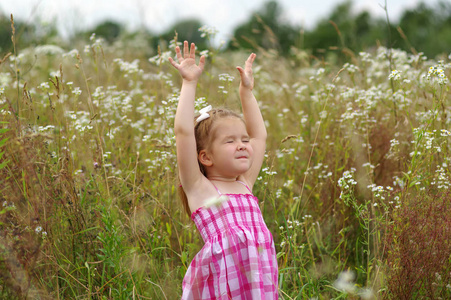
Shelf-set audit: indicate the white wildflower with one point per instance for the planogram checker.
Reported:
(394, 142)
(445, 132)
(208, 31)
(44, 86)
(226, 77)
(76, 91)
(72, 53)
(48, 50)
(204, 53)
(345, 283)
(215, 201)
(366, 293)
(289, 184)
(395, 75)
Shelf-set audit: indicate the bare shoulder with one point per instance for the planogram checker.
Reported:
(199, 193)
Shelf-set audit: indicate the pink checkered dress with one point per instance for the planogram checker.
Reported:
(238, 260)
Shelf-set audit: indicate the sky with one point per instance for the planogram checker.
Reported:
(158, 16)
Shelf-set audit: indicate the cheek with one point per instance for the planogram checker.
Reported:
(250, 150)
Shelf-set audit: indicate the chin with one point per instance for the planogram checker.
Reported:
(240, 171)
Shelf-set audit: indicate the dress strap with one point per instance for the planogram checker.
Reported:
(219, 192)
(245, 185)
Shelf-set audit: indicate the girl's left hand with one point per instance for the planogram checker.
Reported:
(247, 79)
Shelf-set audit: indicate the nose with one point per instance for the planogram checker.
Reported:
(241, 146)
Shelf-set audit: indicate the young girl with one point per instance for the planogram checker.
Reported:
(221, 154)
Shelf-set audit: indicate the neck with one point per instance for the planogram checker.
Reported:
(223, 179)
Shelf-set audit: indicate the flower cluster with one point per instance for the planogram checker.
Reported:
(72, 53)
(293, 227)
(226, 77)
(208, 31)
(395, 75)
(380, 193)
(345, 283)
(200, 103)
(82, 121)
(128, 67)
(445, 132)
(437, 73)
(347, 181)
(45, 128)
(8, 206)
(159, 58)
(48, 50)
(441, 180)
(350, 67)
(321, 170)
(39, 230)
(268, 172)
(398, 182)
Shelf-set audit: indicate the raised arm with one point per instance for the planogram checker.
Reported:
(255, 124)
(189, 171)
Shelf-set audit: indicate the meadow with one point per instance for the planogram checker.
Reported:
(354, 187)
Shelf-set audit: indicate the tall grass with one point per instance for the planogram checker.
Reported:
(354, 186)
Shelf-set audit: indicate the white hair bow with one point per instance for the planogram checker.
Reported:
(204, 114)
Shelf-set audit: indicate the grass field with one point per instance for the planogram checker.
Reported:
(354, 188)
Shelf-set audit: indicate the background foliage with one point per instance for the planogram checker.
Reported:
(424, 28)
(354, 188)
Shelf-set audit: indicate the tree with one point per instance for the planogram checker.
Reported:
(25, 34)
(266, 29)
(109, 30)
(186, 30)
(427, 29)
(5, 35)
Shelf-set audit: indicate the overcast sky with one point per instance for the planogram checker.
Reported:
(224, 15)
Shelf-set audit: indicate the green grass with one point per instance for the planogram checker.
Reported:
(88, 189)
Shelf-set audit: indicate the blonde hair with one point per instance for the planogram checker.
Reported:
(204, 136)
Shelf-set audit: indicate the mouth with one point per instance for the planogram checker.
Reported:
(242, 155)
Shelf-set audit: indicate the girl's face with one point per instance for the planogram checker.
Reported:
(230, 151)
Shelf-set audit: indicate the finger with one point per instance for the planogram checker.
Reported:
(185, 49)
(192, 52)
(202, 62)
(250, 60)
(243, 75)
(172, 61)
(177, 52)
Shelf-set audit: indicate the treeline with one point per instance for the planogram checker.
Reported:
(425, 28)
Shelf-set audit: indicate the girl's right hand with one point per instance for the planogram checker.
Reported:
(187, 63)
